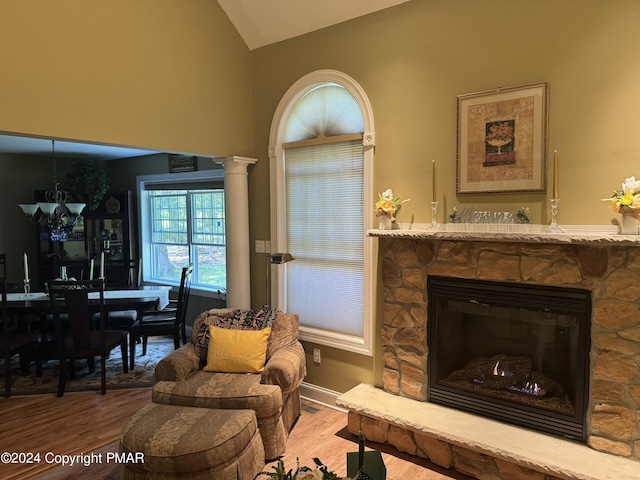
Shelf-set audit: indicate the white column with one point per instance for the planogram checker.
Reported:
(236, 201)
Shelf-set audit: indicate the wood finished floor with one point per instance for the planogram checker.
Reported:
(76, 423)
(91, 423)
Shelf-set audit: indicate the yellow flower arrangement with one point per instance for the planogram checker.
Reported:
(387, 205)
(627, 200)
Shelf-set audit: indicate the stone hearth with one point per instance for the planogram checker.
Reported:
(605, 263)
(476, 446)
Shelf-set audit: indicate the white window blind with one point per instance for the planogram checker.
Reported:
(324, 187)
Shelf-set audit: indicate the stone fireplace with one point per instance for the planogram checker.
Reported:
(606, 265)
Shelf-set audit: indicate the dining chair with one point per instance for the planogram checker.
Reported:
(11, 287)
(77, 334)
(123, 319)
(135, 273)
(15, 342)
(168, 321)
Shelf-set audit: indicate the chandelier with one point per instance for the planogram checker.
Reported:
(60, 215)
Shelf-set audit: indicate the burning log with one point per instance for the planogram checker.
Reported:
(499, 371)
(539, 385)
(505, 372)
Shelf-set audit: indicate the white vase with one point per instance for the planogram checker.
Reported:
(629, 225)
(385, 223)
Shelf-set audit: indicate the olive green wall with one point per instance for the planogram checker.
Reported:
(414, 59)
(171, 76)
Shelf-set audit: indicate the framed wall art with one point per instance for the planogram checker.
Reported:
(182, 163)
(502, 140)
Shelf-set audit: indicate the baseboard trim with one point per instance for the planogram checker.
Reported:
(320, 395)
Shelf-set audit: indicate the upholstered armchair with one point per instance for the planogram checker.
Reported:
(272, 393)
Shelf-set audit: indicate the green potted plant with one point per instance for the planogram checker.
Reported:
(86, 181)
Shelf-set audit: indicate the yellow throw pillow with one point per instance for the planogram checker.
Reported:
(236, 351)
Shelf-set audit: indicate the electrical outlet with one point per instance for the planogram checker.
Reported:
(259, 246)
(316, 356)
(267, 246)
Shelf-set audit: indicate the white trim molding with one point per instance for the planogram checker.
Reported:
(368, 140)
(320, 395)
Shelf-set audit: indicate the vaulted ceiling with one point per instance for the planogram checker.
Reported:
(262, 22)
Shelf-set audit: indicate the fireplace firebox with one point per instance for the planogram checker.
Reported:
(510, 351)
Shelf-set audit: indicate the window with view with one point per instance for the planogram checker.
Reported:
(183, 223)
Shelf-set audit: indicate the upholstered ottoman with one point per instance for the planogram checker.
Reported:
(221, 391)
(193, 443)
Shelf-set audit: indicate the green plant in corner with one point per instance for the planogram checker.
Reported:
(86, 181)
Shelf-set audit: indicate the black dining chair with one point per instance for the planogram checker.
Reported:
(11, 287)
(77, 334)
(123, 319)
(168, 321)
(3, 266)
(15, 342)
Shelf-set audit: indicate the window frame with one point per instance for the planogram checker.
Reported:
(214, 175)
(365, 344)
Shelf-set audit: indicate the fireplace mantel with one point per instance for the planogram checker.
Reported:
(573, 234)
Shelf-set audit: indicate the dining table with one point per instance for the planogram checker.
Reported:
(35, 308)
(38, 303)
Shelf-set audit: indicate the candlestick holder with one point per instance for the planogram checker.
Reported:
(27, 287)
(553, 226)
(434, 213)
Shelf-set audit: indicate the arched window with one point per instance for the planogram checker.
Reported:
(321, 155)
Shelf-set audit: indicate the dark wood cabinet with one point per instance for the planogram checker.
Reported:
(111, 228)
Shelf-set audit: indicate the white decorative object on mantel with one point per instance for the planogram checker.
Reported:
(627, 202)
(488, 227)
(629, 225)
(385, 223)
(386, 208)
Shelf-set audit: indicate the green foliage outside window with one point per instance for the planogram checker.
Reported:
(188, 226)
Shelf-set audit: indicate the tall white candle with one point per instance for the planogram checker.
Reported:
(102, 264)
(26, 267)
(92, 264)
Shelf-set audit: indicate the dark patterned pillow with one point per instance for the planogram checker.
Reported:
(232, 319)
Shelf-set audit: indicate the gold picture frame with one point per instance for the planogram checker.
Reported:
(502, 140)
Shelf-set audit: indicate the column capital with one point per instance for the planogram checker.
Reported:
(235, 164)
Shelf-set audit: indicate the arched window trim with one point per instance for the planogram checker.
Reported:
(365, 344)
